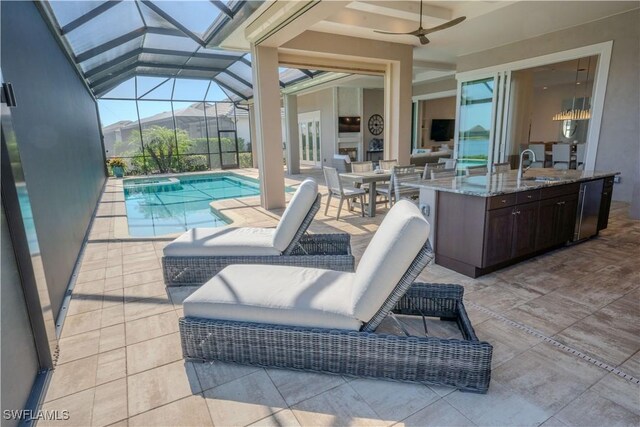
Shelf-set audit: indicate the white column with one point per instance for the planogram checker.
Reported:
(266, 90)
(291, 125)
(397, 107)
(252, 135)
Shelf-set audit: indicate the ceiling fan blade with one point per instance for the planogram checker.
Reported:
(423, 39)
(445, 25)
(412, 33)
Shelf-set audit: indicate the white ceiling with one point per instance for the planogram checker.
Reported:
(489, 23)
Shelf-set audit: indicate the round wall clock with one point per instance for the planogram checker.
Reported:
(376, 124)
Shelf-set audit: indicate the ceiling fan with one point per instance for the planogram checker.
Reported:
(421, 33)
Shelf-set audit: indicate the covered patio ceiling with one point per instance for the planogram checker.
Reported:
(113, 41)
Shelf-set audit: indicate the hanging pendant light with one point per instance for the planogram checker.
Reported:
(574, 113)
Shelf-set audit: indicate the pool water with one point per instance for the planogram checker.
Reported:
(159, 206)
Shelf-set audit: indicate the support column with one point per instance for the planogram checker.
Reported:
(266, 90)
(252, 135)
(291, 126)
(397, 108)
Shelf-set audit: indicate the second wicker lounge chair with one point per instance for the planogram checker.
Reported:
(198, 254)
(321, 320)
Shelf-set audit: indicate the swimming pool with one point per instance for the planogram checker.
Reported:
(159, 206)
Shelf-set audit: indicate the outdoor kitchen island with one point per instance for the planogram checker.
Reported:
(482, 223)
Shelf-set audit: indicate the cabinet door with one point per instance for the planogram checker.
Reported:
(548, 226)
(524, 229)
(498, 236)
(568, 221)
(605, 207)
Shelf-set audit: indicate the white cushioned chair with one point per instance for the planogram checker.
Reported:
(320, 320)
(309, 297)
(199, 253)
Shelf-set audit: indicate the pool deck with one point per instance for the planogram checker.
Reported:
(120, 361)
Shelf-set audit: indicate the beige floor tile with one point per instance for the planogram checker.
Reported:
(499, 302)
(73, 377)
(113, 298)
(620, 391)
(113, 271)
(297, 386)
(284, 418)
(591, 409)
(159, 386)
(340, 406)
(112, 337)
(501, 406)
(147, 290)
(112, 316)
(91, 275)
(153, 353)
(213, 374)
(110, 403)
(143, 277)
(80, 323)
(84, 303)
(146, 307)
(394, 401)
(112, 365)
(73, 411)
(151, 327)
(439, 413)
(553, 422)
(244, 401)
(191, 411)
(507, 341)
(601, 339)
(112, 283)
(140, 266)
(549, 314)
(548, 377)
(631, 366)
(79, 346)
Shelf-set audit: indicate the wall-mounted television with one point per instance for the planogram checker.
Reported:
(442, 129)
(348, 124)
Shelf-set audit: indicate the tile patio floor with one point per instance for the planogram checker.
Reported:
(120, 360)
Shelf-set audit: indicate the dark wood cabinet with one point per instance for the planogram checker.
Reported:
(498, 236)
(605, 204)
(524, 229)
(556, 221)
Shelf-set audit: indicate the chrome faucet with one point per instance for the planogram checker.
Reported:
(520, 170)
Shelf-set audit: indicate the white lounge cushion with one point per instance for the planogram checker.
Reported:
(278, 295)
(224, 241)
(295, 213)
(402, 234)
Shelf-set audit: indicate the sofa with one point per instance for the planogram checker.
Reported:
(420, 156)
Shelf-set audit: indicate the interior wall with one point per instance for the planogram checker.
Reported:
(322, 101)
(440, 108)
(619, 147)
(435, 86)
(58, 136)
(19, 358)
(372, 103)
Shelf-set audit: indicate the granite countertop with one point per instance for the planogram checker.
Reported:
(505, 183)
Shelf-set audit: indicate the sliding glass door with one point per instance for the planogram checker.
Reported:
(480, 128)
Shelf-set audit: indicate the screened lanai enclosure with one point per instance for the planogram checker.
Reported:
(169, 99)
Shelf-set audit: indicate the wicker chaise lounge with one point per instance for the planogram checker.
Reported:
(321, 320)
(200, 253)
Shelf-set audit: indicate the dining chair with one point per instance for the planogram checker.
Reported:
(443, 173)
(401, 175)
(335, 187)
(389, 191)
(476, 170)
(426, 174)
(448, 163)
(387, 164)
(561, 156)
(538, 150)
(361, 167)
(580, 150)
(501, 167)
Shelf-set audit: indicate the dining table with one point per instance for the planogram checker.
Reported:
(370, 178)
